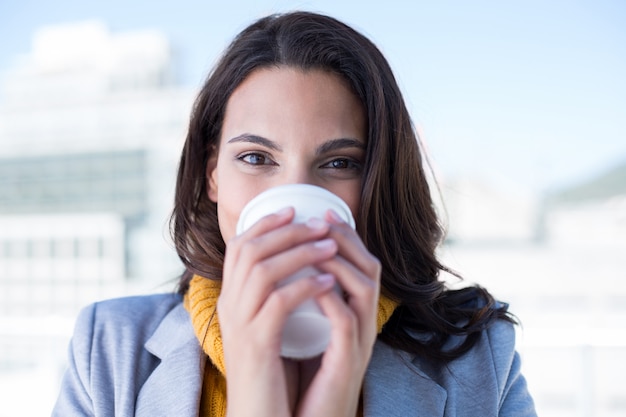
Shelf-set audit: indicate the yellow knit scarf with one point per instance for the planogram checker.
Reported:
(201, 303)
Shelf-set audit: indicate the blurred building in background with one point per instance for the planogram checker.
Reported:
(559, 261)
(91, 126)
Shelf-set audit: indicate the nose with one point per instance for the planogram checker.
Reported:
(297, 175)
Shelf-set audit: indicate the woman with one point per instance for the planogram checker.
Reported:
(300, 98)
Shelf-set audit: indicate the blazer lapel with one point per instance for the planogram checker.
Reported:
(394, 386)
(174, 387)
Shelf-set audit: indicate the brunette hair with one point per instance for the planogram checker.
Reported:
(397, 219)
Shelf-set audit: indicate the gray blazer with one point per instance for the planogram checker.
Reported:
(138, 356)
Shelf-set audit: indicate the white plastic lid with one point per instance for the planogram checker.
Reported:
(307, 200)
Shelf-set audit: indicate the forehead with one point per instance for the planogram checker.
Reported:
(288, 84)
(285, 101)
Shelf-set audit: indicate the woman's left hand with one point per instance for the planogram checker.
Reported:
(334, 388)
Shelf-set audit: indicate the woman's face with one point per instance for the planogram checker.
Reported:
(284, 126)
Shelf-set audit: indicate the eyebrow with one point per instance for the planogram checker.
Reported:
(259, 140)
(331, 145)
(341, 143)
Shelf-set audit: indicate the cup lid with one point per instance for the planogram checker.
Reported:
(307, 200)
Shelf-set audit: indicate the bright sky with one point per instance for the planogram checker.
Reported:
(526, 93)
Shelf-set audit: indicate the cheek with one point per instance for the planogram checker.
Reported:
(354, 203)
(351, 195)
(232, 194)
(228, 209)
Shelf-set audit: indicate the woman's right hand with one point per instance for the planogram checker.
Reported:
(253, 309)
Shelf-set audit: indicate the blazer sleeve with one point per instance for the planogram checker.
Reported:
(515, 399)
(75, 397)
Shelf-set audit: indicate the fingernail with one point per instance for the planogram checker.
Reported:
(325, 244)
(284, 212)
(315, 223)
(325, 278)
(335, 217)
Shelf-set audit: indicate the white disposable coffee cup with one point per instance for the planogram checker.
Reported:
(307, 331)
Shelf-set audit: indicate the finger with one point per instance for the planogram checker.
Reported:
(333, 387)
(351, 330)
(283, 238)
(266, 275)
(354, 282)
(246, 250)
(271, 221)
(345, 327)
(282, 301)
(362, 292)
(351, 246)
(264, 225)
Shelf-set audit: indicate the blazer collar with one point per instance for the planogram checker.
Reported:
(396, 386)
(175, 386)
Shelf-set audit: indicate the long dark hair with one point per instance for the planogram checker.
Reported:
(397, 220)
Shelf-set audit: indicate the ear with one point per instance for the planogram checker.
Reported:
(211, 176)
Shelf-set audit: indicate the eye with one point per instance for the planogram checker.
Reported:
(255, 158)
(342, 163)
